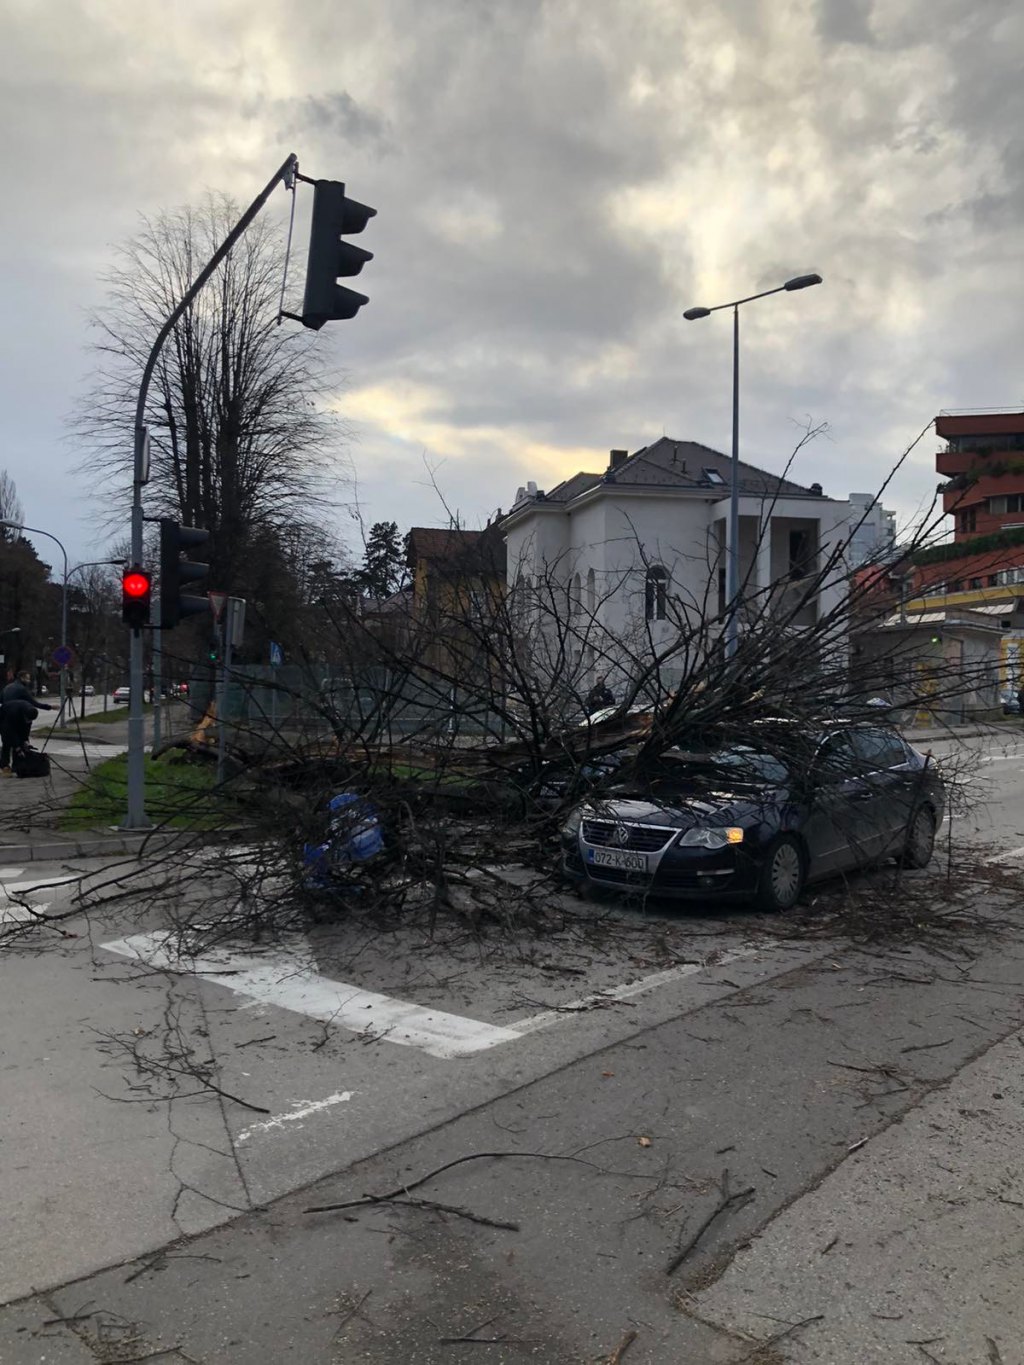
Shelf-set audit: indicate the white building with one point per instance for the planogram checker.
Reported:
(640, 547)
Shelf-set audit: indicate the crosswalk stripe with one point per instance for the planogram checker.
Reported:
(12, 890)
(291, 984)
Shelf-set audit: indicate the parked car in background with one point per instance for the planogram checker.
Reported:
(747, 824)
(1010, 704)
(88, 690)
(121, 694)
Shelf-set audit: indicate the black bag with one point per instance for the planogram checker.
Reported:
(28, 762)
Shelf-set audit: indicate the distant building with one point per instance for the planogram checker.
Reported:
(458, 585)
(982, 568)
(641, 545)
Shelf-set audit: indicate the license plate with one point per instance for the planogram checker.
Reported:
(617, 857)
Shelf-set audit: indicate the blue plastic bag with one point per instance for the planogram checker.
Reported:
(354, 835)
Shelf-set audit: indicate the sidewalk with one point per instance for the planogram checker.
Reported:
(30, 811)
(1007, 729)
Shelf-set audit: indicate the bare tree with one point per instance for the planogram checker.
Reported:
(242, 442)
(11, 509)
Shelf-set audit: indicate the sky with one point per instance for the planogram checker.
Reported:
(556, 181)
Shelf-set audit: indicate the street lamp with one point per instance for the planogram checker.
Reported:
(732, 562)
(92, 564)
(20, 526)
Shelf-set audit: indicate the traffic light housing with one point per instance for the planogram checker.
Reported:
(136, 596)
(177, 573)
(325, 300)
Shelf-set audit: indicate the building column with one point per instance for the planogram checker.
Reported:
(763, 567)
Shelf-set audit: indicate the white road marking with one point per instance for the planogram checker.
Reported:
(1009, 855)
(289, 981)
(302, 1112)
(95, 753)
(291, 984)
(12, 892)
(624, 992)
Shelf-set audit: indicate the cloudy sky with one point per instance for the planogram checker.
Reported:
(556, 181)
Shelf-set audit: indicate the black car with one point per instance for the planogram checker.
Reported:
(746, 823)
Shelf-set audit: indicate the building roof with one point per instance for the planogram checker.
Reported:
(672, 464)
(456, 550)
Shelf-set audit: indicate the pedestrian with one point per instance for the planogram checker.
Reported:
(18, 709)
(19, 690)
(16, 719)
(600, 695)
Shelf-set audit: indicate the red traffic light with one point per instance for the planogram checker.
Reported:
(135, 584)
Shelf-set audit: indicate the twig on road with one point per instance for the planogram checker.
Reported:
(924, 1047)
(627, 1341)
(391, 1196)
(351, 1313)
(726, 1202)
(400, 1201)
(779, 1336)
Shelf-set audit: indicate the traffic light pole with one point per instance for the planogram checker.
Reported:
(136, 817)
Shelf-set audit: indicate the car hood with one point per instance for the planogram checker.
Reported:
(685, 811)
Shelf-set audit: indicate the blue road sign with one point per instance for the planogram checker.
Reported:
(276, 654)
(63, 655)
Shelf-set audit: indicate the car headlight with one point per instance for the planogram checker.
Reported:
(572, 823)
(703, 837)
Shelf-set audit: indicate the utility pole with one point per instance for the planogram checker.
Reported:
(136, 817)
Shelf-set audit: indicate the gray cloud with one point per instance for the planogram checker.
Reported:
(555, 181)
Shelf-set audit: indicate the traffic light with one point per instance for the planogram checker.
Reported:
(176, 572)
(325, 300)
(136, 593)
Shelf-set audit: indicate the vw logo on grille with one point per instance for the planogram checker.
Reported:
(621, 835)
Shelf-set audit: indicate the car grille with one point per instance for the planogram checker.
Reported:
(619, 876)
(638, 838)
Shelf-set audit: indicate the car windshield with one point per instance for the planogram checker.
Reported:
(749, 765)
(738, 765)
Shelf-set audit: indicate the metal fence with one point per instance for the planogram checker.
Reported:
(374, 703)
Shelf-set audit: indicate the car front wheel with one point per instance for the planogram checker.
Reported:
(920, 839)
(782, 874)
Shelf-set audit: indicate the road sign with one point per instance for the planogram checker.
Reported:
(63, 656)
(218, 601)
(276, 654)
(235, 624)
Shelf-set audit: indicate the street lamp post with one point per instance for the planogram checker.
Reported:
(34, 530)
(732, 561)
(90, 564)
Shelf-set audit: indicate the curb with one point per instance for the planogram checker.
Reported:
(920, 736)
(92, 846)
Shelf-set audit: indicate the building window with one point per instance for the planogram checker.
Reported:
(656, 593)
(968, 519)
(591, 591)
(576, 603)
(1006, 502)
(976, 583)
(801, 554)
(993, 580)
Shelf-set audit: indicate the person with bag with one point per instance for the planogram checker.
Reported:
(16, 719)
(18, 709)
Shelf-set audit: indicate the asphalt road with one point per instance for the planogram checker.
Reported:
(834, 1128)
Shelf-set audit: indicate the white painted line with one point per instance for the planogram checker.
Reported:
(1009, 855)
(32, 883)
(295, 1115)
(12, 913)
(625, 992)
(290, 984)
(18, 914)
